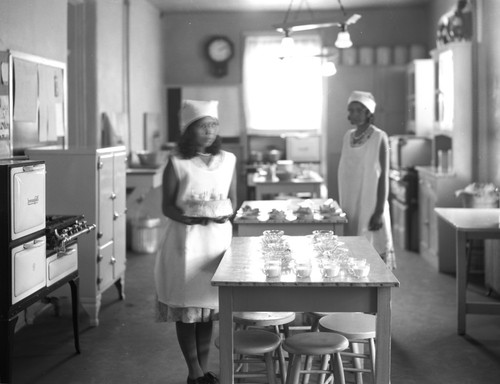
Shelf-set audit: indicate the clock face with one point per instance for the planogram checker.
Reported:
(220, 49)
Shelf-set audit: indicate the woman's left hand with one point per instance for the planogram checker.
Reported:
(376, 222)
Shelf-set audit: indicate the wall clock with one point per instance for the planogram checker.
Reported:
(219, 50)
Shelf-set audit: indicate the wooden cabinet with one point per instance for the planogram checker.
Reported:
(91, 182)
(419, 97)
(453, 115)
(437, 240)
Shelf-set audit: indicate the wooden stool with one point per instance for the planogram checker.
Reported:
(252, 343)
(277, 320)
(358, 328)
(312, 344)
(315, 316)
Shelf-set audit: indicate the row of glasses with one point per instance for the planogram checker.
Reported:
(331, 256)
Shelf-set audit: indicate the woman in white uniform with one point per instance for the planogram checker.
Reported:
(363, 177)
(193, 246)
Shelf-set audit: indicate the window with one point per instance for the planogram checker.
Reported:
(282, 94)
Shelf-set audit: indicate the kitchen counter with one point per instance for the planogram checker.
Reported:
(263, 186)
(141, 180)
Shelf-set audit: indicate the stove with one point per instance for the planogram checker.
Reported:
(63, 230)
(404, 207)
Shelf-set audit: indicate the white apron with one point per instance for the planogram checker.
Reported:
(191, 253)
(359, 172)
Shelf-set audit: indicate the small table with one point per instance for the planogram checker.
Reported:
(293, 186)
(470, 223)
(254, 226)
(243, 287)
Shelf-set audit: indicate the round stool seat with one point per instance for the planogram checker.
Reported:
(312, 343)
(350, 324)
(254, 342)
(263, 319)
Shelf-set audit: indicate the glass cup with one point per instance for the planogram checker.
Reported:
(303, 268)
(272, 268)
(330, 269)
(360, 271)
(273, 234)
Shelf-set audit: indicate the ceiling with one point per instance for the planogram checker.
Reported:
(272, 5)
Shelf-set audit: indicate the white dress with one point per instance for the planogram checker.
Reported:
(358, 175)
(191, 253)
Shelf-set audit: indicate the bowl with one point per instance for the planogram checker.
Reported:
(148, 159)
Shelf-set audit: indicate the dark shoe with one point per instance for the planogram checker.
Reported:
(211, 378)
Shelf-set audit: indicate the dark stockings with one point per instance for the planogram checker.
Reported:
(194, 340)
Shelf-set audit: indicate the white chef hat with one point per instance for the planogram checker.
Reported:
(365, 98)
(192, 110)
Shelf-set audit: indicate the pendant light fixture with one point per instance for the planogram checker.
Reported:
(343, 38)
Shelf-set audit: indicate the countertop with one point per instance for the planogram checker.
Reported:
(241, 265)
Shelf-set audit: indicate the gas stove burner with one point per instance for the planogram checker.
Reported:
(60, 230)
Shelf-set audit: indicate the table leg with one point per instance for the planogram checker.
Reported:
(7, 328)
(226, 335)
(383, 358)
(461, 281)
(75, 305)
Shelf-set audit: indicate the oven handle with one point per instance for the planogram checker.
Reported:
(35, 244)
(66, 252)
(31, 168)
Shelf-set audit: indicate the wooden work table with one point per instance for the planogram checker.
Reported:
(244, 287)
(469, 224)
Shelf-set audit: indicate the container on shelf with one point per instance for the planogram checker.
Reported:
(400, 55)
(383, 55)
(366, 55)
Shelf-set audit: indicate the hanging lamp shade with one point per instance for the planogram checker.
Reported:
(343, 40)
(287, 46)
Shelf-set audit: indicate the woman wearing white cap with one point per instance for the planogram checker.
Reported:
(363, 177)
(198, 172)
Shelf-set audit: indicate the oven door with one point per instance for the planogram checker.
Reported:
(61, 264)
(27, 200)
(28, 268)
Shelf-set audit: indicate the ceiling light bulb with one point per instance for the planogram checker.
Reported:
(343, 40)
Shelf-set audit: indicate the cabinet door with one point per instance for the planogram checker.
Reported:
(105, 204)
(105, 266)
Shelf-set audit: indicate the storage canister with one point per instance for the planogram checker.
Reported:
(145, 234)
